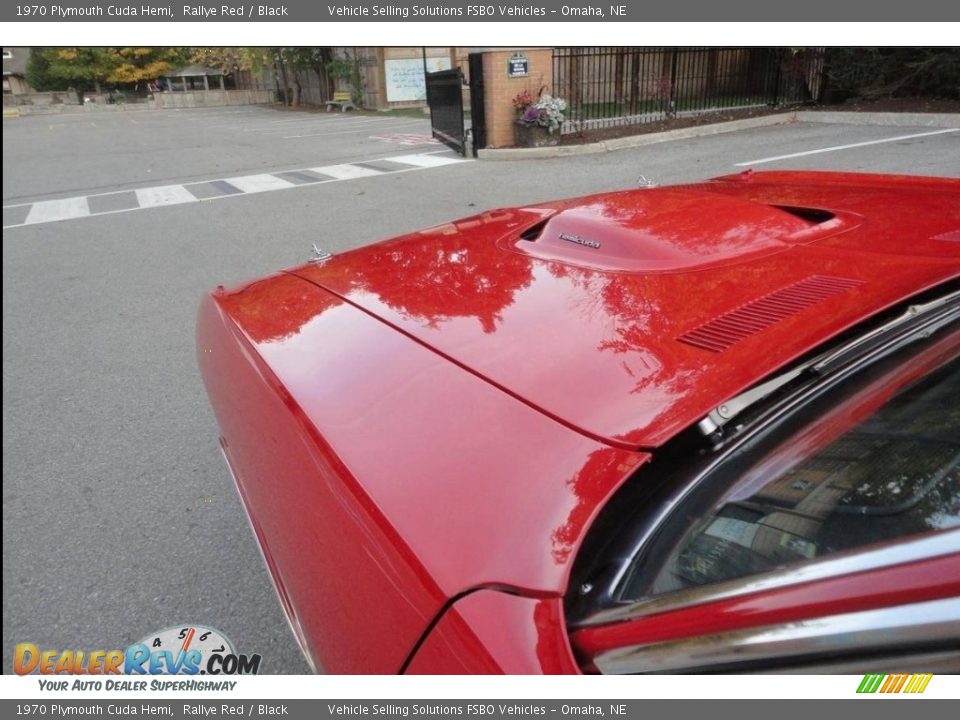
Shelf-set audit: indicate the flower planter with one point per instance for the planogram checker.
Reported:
(534, 136)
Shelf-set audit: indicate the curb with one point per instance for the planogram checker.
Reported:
(93, 108)
(880, 118)
(833, 117)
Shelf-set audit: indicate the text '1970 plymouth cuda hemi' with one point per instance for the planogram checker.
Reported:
(703, 428)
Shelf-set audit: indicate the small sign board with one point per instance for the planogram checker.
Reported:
(404, 77)
(518, 65)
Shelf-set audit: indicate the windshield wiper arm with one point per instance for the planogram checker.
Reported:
(949, 304)
(912, 312)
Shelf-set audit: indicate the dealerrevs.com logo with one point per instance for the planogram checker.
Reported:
(180, 650)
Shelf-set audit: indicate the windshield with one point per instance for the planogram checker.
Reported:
(881, 464)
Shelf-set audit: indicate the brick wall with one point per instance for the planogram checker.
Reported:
(499, 90)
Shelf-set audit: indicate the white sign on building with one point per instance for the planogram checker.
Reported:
(405, 77)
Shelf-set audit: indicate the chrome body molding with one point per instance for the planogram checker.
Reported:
(936, 622)
(936, 544)
(942, 662)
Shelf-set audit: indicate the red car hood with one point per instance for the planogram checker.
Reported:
(628, 316)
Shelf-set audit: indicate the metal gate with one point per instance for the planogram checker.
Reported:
(445, 98)
(478, 119)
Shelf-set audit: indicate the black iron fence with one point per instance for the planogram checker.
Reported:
(608, 87)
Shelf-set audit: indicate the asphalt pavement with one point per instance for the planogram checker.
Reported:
(119, 516)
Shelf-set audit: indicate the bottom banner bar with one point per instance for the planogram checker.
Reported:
(487, 709)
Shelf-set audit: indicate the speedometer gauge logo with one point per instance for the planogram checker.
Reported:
(189, 650)
(196, 642)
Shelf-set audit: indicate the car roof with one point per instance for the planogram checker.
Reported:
(628, 316)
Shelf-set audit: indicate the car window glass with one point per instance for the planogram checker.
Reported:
(877, 471)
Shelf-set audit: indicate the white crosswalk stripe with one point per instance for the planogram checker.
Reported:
(345, 172)
(259, 183)
(165, 195)
(153, 197)
(52, 210)
(424, 161)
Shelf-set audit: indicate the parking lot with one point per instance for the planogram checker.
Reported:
(119, 516)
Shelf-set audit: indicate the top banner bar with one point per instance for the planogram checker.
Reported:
(453, 11)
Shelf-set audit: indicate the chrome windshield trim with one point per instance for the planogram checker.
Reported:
(932, 622)
(936, 544)
(911, 312)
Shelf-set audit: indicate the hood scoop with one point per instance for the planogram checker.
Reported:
(649, 231)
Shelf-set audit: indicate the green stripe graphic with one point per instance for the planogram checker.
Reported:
(870, 683)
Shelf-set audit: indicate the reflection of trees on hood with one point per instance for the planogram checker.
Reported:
(276, 308)
(639, 324)
(633, 311)
(435, 282)
(603, 468)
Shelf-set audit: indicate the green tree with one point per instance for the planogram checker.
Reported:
(38, 72)
(84, 68)
(299, 60)
(349, 69)
(291, 65)
(318, 58)
(65, 67)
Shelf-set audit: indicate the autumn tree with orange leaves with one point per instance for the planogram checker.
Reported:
(84, 68)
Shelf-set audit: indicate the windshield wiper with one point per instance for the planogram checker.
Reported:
(926, 319)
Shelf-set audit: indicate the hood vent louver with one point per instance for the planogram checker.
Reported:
(814, 216)
(730, 328)
(533, 232)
